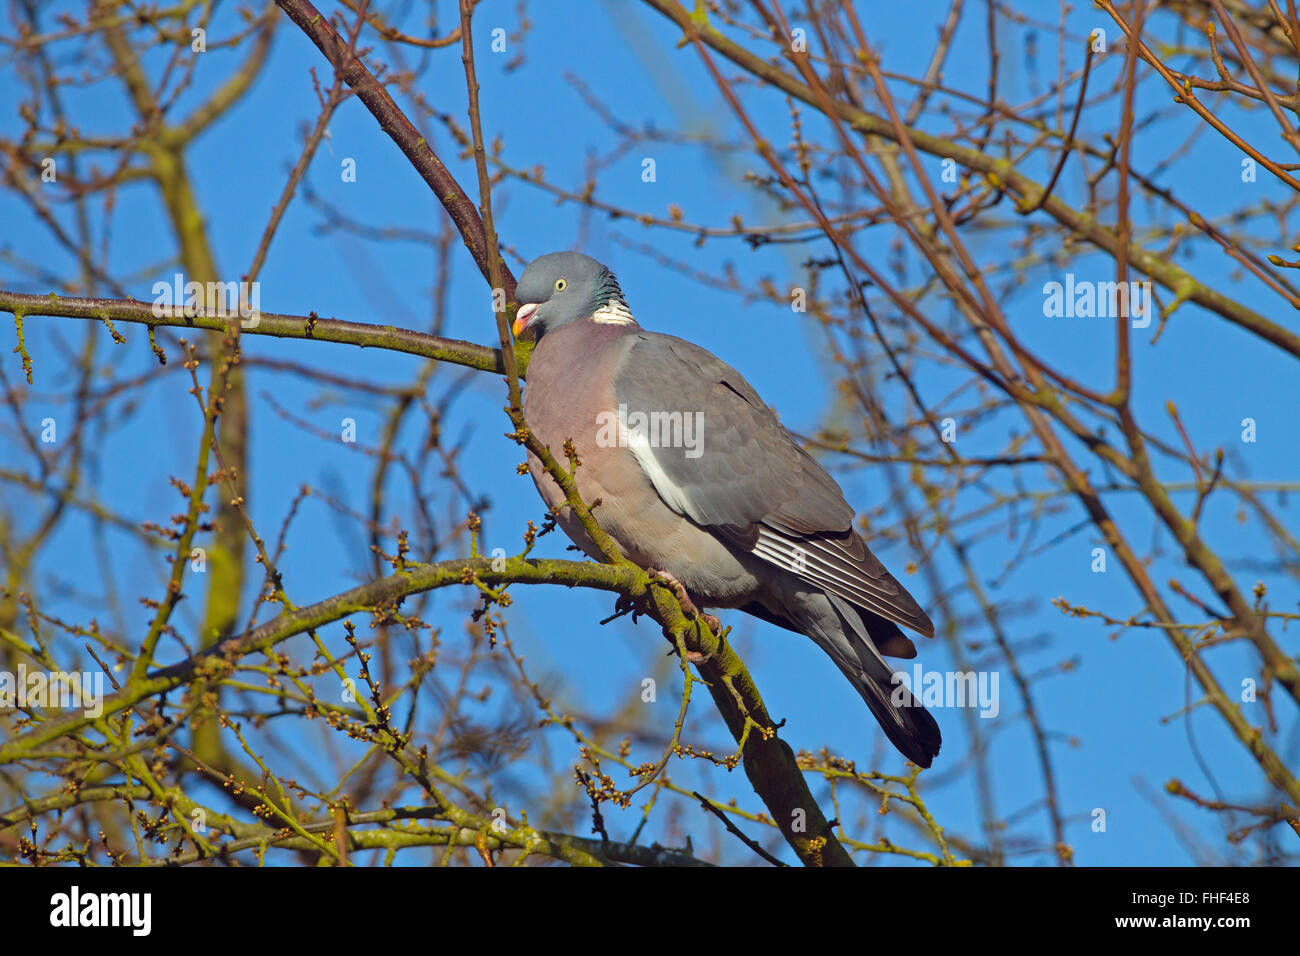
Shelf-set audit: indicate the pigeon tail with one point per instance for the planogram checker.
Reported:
(842, 632)
(900, 715)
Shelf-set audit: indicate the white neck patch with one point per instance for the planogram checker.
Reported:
(613, 312)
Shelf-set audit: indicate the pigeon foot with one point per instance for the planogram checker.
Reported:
(689, 606)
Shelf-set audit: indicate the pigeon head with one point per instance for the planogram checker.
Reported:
(561, 287)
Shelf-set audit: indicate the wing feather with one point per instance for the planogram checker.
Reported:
(744, 476)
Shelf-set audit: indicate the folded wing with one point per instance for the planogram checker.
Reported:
(743, 476)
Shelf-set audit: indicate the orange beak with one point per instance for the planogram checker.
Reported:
(523, 316)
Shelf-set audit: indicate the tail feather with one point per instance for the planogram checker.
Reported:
(840, 630)
(905, 722)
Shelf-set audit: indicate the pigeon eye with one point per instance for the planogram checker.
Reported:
(561, 284)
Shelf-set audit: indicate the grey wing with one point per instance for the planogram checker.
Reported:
(717, 454)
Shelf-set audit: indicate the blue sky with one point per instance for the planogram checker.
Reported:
(1108, 717)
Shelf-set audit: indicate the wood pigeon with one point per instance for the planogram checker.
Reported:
(698, 482)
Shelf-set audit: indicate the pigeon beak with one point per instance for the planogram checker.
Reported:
(522, 317)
